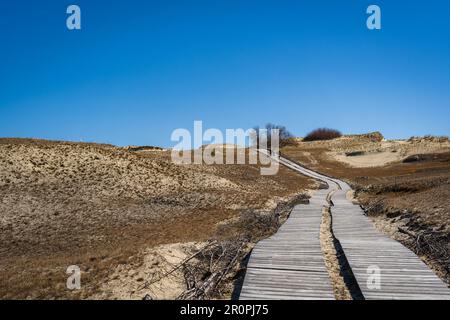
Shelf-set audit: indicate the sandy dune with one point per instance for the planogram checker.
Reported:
(97, 206)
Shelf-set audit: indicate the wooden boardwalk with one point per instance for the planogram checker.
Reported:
(402, 275)
(289, 265)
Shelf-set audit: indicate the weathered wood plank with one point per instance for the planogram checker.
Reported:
(289, 265)
(402, 274)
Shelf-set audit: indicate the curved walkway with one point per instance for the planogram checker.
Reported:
(289, 265)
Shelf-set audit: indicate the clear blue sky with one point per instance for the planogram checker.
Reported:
(139, 69)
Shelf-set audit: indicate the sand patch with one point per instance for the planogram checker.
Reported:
(331, 258)
(149, 278)
(310, 157)
(378, 154)
(367, 160)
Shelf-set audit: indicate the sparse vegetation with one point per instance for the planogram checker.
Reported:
(322, 134)
(97, 206)
(371, 136)
(285, 135)
(106, 208)
(440, 139)
(407, 197)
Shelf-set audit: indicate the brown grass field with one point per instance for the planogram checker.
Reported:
(125, 215)
(98, 206)
(409, 200)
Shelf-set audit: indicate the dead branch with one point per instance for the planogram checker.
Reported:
(178, 266)
(210, 271)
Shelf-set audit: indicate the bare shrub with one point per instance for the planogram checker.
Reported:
(204, 276)
(322, 134)
(284, 134)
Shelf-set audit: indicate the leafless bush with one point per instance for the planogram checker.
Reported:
(217, 268)
(430, 243)
(205, 274)
(254, 225)
(322, 134)
(284, 135)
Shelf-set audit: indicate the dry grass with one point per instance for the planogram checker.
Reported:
(413, 195)
(97, 206)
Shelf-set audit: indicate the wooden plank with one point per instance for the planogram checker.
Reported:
(402, 274)
(290, 265)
